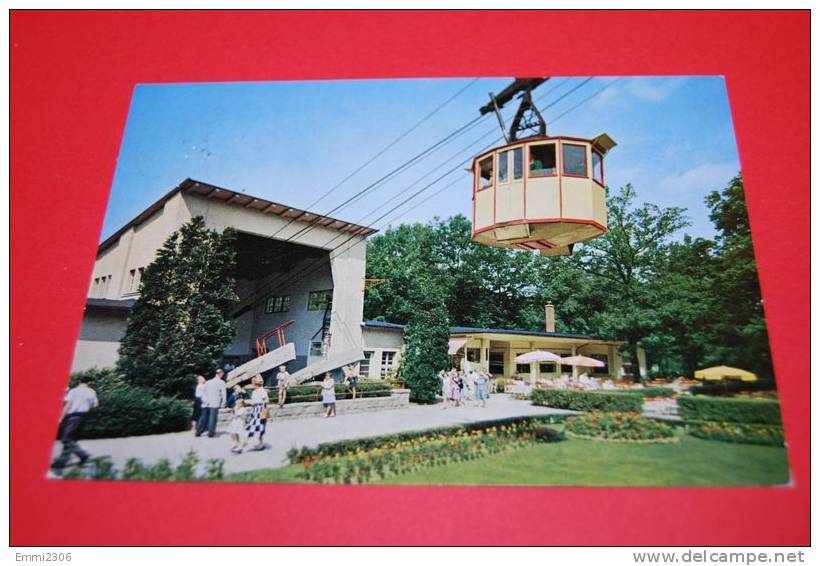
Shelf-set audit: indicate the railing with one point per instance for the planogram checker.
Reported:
(279, 332)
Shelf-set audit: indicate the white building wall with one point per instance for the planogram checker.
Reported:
(377, 341)
(137, 247)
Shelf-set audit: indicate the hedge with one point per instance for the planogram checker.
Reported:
(739, 433)
(728, 409)
(344, 447)
(135, 412)
(311, 392)
(587, 401)
(134, 470)
(730, 387)
(619, 427)
(647, 392)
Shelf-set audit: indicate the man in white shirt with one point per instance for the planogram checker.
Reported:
(78, 402)
(214, 396)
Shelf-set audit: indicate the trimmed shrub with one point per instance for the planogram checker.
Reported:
(732, 387)
(730, 410)
(547, 434)
(587, 401)
(619, 427)
(647, 392)
(313, 392)
(100, 380)
(135, 412)
(739, 433)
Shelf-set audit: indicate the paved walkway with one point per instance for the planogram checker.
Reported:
(283, 435)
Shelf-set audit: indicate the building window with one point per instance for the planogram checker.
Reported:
(320, 300)
(566, 369)
(497, 363)
(277, 304)
(135, 276)
(522, 369)
(387, 362)
(485, 172)
(503, 161)
(542, 160)
(597, 167)
(364, 365)
(547, 367)
(518, 163)
(315, 349)
(604, 370)
(575, 159)
(473, 354)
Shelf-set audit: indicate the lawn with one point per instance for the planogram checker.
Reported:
(690, 462)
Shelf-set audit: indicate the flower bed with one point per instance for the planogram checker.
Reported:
(345, 447)
(412, 454)
(134, 470)
(587, 401)
(619, 427)
(729, 410)
(739, 433)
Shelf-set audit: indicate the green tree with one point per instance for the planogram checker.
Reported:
(179, 326)
(426, 339)
(739, 334)
(626, 262)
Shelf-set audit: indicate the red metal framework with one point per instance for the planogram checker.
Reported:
(279, 332)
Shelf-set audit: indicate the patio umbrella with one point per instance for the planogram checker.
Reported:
(537, 356)
(533, 358)
(582, 361)
(719, 373)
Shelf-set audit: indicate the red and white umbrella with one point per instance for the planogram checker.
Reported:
(582, 361)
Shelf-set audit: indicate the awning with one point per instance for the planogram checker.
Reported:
(455, 345)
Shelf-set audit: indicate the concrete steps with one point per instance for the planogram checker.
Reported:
(256, 366)
(332, 362)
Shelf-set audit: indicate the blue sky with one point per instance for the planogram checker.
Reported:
(292, 141)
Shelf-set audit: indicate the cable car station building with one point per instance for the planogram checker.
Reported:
(307, 281)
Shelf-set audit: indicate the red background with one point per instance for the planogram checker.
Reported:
(72, 76)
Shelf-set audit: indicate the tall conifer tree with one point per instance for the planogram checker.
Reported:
(180, 327)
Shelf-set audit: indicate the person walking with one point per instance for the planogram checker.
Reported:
(482, 388)
(214, 396)
(200, 383)
(455, 392)
(258, 420)
(282, 382)
(329, 395)
(79, 401)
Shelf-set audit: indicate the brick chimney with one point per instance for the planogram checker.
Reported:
(549, 317)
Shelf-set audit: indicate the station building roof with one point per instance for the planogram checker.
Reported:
(244, 200)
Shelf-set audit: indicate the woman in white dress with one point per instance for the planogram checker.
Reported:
(236, 428)
(329, 395)
(259, 413)
(446, 387)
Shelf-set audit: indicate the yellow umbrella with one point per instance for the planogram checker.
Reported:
(718, 373)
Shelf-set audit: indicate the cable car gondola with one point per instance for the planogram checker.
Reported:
(538, 192)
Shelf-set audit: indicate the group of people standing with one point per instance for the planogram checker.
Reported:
(458, 387)
(249, 411)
